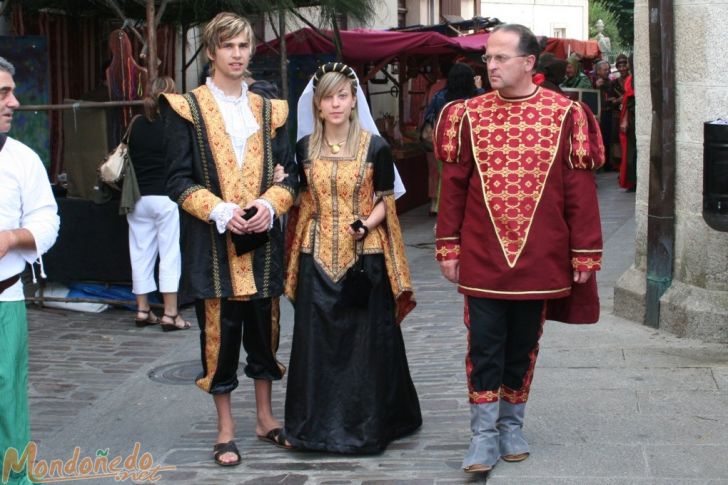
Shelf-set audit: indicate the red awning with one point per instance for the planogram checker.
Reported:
(362, 45)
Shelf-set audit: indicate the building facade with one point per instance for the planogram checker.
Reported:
(696, 302)
(552, 18)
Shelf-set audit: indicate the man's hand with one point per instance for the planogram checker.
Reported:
(279, 174)
(582, 276)
(260, 222)
(237, 224)
(451, 270)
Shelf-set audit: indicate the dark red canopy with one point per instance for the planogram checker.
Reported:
(364, 45)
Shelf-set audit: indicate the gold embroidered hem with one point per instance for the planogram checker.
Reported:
(533, 294)
(447, 251)
(586, 263)
(513, 397)
(212, 342)
(482, 397)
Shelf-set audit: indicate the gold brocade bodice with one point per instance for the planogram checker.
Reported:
(342, 190)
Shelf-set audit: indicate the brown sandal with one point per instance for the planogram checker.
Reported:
(171, 327)
(150, 319)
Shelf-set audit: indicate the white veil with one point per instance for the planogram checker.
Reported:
(306, 120)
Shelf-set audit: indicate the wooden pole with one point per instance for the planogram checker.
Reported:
(79, 105)
(284, 52)
(661, 196)
(151, 45)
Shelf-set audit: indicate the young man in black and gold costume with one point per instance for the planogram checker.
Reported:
(223, 143)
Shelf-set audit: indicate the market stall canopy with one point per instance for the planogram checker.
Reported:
(561, 48)
(363, 45)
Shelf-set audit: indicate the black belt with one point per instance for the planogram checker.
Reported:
(5, 284)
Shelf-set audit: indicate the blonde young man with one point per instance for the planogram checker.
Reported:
(28, 228)
(223, 142)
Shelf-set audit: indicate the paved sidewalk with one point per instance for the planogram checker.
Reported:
(612, 403)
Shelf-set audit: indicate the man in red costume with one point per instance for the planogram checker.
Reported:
(518, 228)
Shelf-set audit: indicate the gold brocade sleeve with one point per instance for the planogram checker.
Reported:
(298, 219)
(280, 197)
(395, 260)
(279, 114)
(199, 202)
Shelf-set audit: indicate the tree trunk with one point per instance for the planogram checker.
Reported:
(151, 44)
(284, 52)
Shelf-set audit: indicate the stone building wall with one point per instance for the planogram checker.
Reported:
(696, 304)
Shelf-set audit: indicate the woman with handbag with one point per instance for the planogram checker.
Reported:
(154, 222)
(349, 386)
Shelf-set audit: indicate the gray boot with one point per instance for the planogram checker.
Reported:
(483, 452)
(513, 445)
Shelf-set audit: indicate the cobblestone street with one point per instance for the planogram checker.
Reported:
(612, 403)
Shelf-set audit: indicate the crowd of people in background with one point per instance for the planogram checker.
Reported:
(216, 173)
(616, 118)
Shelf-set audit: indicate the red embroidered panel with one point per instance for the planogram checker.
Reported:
(514, 145)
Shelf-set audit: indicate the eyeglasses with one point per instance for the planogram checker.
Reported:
(500, 58)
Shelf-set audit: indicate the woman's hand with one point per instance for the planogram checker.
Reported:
(360, 233)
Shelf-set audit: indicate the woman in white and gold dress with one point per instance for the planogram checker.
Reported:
(349, 386)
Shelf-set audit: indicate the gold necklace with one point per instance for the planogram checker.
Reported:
(335, 147)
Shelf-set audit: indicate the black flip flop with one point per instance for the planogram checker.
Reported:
(276, 437)
(221, 448)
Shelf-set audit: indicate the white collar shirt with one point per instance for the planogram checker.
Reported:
(240, 123)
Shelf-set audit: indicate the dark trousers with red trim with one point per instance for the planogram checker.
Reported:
(503, 340)
(224, 324)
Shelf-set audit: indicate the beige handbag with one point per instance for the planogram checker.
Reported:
(112, 169)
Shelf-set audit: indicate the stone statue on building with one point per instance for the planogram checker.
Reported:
(605, 45)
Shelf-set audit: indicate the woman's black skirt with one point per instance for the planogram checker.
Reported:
(349, 386)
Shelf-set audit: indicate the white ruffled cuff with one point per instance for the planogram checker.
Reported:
(221, 215)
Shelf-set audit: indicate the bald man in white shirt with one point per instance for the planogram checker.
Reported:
(28, 228)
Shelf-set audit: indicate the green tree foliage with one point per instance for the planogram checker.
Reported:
(623, 11)
(597, 10)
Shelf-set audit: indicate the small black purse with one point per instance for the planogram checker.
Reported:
(356, 285)
(245, 243)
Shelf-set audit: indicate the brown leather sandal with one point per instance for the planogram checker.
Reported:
(150, 319)
(171, 327)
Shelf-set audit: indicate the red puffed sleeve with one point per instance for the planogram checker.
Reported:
(452, 145)
(586, 153)
(587, 148)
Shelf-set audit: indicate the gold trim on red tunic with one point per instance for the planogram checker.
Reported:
(447, 251)
(514, 145)
(585, 263)
(482, 397)
(532, 292)
(448, 130)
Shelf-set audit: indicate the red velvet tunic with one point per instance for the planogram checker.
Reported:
(518, 204)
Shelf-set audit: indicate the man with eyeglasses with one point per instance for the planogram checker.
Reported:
(518, 231)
